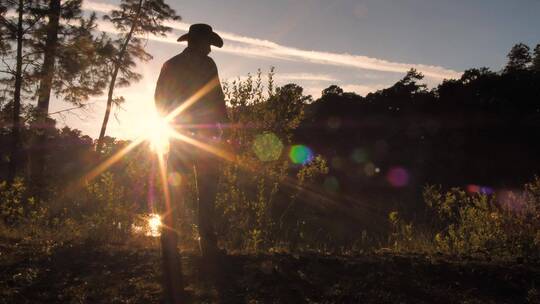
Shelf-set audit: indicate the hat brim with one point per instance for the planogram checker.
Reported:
(214, 39)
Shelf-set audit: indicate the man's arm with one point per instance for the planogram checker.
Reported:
(218, 96)
(222, 109)
(222, 105)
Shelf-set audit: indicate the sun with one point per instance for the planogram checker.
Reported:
(158, 132)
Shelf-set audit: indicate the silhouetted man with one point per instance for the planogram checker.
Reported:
(190, 80)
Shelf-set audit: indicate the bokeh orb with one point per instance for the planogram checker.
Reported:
(300, 154)
(331, 184)
(480, 189)
(487, 190)
(337, 162)
(174, 179)
(398, 177)
(473, 188)
(334, 122)
(359, 155)
(267, 147)
(369, 169)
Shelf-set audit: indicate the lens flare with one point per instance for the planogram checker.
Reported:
(398, 177)
(337, 162)
(158, 132)
(486, 190)
(154, 225)
(267, 147)
(479, 189)
(359, 155)
(331, 184)
(473, 188)
(370, 169)
(175, 179)
(300, 154)
(334, 122)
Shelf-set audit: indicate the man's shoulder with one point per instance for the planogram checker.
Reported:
(178, 59)
(210, 61)
(184, 58)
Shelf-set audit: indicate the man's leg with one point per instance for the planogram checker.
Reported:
(172, 268)
(207, 174)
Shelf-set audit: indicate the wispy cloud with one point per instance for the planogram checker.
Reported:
(306, 77)
(253, 47)
(98, 6)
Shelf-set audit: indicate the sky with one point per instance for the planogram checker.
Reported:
(360, 45)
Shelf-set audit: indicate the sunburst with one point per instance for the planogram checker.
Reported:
(159, 132)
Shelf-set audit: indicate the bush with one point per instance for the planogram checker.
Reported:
(502, 225)
(253, 197)
(109, 214)
(17, 208)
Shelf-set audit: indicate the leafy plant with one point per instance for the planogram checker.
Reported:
(17, 207)
(501, 226)
(253, 195)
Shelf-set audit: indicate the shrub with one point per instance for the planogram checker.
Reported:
(17, 208)
(502, 225)
(253, 193)
(109, 214)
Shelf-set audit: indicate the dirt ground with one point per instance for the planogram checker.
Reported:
(88, 273)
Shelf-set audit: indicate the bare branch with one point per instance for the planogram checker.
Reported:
(7, 66)
(8, 24)
(72, 109)
(31, 25)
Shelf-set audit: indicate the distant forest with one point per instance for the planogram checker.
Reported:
(480, 132)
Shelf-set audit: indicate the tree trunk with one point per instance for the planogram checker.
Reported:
(112, 83)
(108, 109)
(43, 124)
(16, 122)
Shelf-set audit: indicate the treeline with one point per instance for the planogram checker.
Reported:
(479, 132)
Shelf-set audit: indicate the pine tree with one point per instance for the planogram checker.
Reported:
(133, 20)
(53, 51)
(69, 69)
(24, 17)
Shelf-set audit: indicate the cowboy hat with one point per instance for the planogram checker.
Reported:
(205, 31)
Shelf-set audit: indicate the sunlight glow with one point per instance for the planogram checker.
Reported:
(158, 132)
(154, 132)
(205, 147)
(111, 161)
(154, 225)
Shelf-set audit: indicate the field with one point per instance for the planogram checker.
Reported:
(92, 273)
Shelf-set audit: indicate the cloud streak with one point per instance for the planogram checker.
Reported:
(253, 47)
(306, 77)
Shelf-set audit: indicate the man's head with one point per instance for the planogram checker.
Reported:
(200, 37)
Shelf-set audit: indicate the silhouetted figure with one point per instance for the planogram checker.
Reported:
(190, 80)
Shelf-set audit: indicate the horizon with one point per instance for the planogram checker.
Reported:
(354, 66)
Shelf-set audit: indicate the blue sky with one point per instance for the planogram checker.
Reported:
(361, 45)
